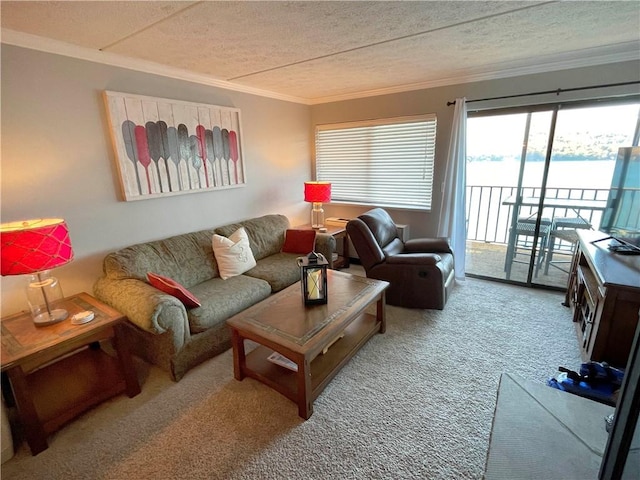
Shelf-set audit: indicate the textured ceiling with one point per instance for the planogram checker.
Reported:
(319, 51)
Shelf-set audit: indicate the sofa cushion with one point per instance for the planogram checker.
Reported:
(223, 298)
(167, 285)
(266, 234)
(280, 270)
(233, 254)
(301, 242)
(187, 259)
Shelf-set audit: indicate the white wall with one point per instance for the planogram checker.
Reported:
(58, 161)
(434, 100)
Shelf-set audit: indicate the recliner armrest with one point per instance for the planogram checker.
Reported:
(438, 245)
(414, 259)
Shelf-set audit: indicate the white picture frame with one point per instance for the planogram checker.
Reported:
(170, 147)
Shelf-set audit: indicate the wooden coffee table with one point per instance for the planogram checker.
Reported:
(283, 324)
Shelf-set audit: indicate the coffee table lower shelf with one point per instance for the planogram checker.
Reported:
(323, 367)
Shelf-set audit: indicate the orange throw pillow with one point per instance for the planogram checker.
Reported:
(299, 241)
(167, 285)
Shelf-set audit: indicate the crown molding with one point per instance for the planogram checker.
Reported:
(621, 52)
(35, 42)
(581, 58)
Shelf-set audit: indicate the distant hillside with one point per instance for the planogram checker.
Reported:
(578, 147)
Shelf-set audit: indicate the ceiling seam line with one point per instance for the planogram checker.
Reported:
(413, 35)
(126, 37)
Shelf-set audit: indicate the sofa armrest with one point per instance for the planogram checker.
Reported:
(427, 245)
(326, 245)
(146, 307)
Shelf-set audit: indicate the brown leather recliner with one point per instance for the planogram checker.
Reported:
(420, 270)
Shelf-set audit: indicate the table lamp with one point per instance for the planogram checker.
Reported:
(33, 247)
(317, 193)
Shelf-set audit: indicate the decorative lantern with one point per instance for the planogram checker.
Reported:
(313, 278)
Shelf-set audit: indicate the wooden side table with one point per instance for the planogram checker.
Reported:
(59, 371)
(340, 234)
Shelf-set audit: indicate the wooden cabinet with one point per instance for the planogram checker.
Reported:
(604, 293)
(340, 234)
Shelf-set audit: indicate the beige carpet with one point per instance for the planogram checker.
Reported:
(416, 402)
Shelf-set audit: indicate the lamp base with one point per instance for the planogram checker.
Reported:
(317, 216)
(46, 318)
(43, 293)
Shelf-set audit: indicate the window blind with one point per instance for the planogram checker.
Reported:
(387, 163)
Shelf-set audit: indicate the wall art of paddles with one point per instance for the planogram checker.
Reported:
(169, 147)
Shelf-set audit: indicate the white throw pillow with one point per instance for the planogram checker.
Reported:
(233, 254)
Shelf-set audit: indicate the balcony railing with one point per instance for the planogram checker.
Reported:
(488, 218)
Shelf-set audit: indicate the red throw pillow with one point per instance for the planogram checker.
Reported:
(167, 285)
(299, 241)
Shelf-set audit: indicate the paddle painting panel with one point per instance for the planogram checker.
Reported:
(168, 147)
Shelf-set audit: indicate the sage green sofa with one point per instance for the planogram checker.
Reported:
(160, 329)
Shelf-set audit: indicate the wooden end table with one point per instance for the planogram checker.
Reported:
(318, 339)
(340, 234)
(59, 371)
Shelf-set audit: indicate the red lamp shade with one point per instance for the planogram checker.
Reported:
(318, 192)
(33, 246)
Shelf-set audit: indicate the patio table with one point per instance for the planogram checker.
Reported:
(572, 203)
(575, 204)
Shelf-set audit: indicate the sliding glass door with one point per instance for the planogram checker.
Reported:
(534, 177)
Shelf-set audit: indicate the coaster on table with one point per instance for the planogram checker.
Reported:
(82, 317)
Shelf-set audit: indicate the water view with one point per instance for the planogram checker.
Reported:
(583, 158)
(562, 173)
